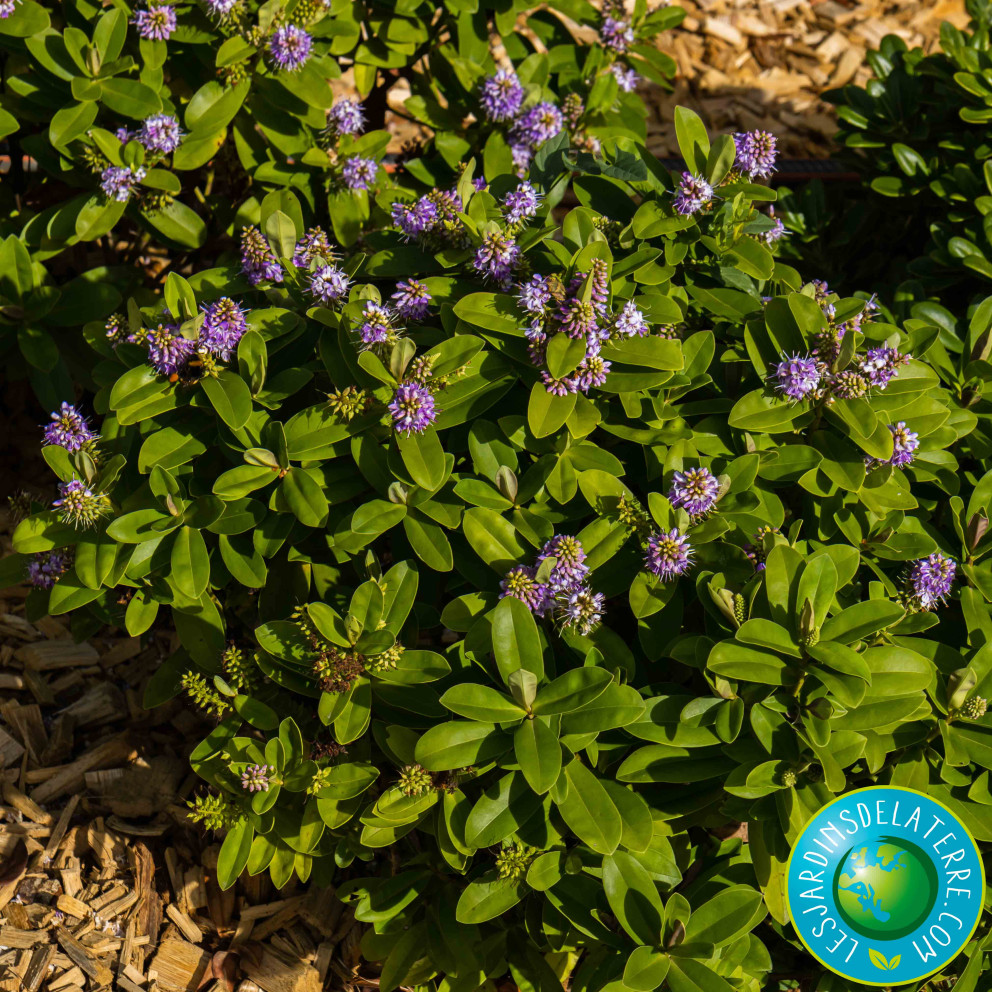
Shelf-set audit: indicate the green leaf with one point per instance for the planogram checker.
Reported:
(516, 642)
(546, 412)
(572, 690)
(305, 497)
(504, 807)
(589, 811)
(493, 538)
(190, 564)
(538, 753)
(458, 744)
(645, 969)
(693, 141)
(731, 913)
(633, 897)
(230, 397)
(482, 703)
(487, 897)
(233, 855)
(423, 457)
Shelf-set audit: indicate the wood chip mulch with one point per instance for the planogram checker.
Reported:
(745, 64)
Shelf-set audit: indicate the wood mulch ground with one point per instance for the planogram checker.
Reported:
(104, 883)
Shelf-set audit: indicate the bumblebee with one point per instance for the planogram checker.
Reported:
(189, 373)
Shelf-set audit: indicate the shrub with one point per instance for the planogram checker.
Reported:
(153, 132)
(918, 225)
(618, 535)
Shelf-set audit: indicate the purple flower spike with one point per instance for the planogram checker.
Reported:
(797, 377)
(570, 571)
(583, 610)
(534, 295)
(167, 348)
(223, 327)
(616, 34)
(290, 47)
(156, 23)
(118, 181)
(519, 583)
(47, 567)
(255, 778)
(496, 258)
(346, 117)
(693, 194)
(881, 365)
(930, 579)
(521, 204)
(79, 505)
(627, 79)
(756, 153)
(160, 133)
(377, 324)
(412, 408)
(359, 173)
(668, 555)
(696, 491)
(257, 260)
(328, 284)
(412, 299)
(501, 95)
(69, 429)
(631, 322)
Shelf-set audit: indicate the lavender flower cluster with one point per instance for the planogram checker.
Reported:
(812, 376)
(432, 220)
(159, 133)
(553, 309)
(565, 591)
(501, 97)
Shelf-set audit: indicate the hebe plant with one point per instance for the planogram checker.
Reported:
(142, 136)
(532, 548)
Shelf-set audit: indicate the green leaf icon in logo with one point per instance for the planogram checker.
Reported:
(879, 961)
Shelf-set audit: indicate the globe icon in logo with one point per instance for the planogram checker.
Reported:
(885, 888)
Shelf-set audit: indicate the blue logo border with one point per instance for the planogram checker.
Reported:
(959, 947)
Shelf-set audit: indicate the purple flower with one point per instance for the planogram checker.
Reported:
(696, 491)
(881, 365)
(167, 348)
(79, 505)
(328, 284)
(118, 181)
(773, 234)
(559, 387)
(479, 183)
(570, 571)
(930, 579)
(519, 583)
(599, 289)
(904, 445)
(346, 117)
(220, 8)
(521, 204)
(415, 220)
(257, 260)
(290, 47)
(497, 257)
(626, 78)
(156, 23)
(583, 610)
(797, 377)
(630, 321)
(534, 295)
(123, 135)
(223, 326)
(592, 372)
(821, 293)
(755, 549)
(501, 95)
(668, 555)
(616, 34)
(412, 408)
(69, 429)
(578, 319)
(118, 330)
(160, 133)
(313, 245)
(377, 324)
(47, 567)
(7, 7)
(694, 192)
(412, 299)
(255, 778)
(756, 153)
(359, 173)
(537, 125)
